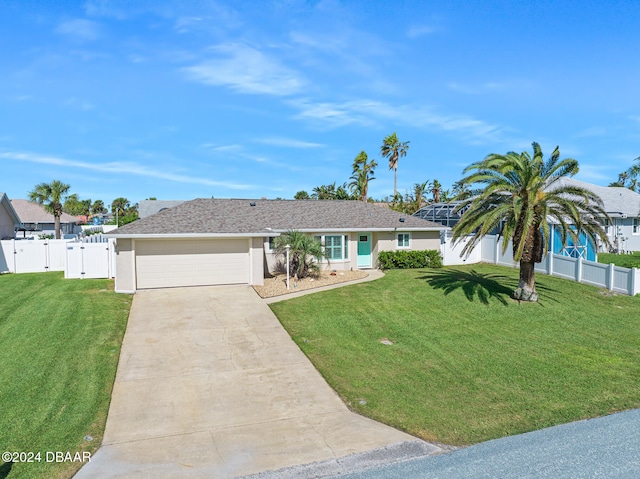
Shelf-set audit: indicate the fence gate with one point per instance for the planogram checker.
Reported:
(88, 260)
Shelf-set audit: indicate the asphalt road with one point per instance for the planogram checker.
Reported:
(606, 447)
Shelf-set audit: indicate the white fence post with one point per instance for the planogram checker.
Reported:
(611, 276)
(635, 281)
(496, 249)
(550, 264)
(13, 249)
(579, 269)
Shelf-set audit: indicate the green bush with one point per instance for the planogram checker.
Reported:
(428, 258)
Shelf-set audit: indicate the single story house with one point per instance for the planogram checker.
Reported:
(37, 221)
(230, 241)
(9, 219)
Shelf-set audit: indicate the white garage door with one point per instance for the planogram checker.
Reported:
(171, 263)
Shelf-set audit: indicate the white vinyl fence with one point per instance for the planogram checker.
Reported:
(77, 259)
(489, 250)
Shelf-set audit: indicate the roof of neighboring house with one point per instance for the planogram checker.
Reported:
(617, 201)
(30, 212)
(151, 207)
(4, 200)
(246, 217)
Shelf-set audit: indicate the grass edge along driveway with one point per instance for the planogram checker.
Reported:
(466, 363)
(59, 348)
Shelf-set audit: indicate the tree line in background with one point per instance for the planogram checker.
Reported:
(629, 178)
(363, 169)
(55, 199)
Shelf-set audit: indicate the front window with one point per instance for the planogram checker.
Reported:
(333, 247)
(636, 226)
(403, 240)
(336, 247)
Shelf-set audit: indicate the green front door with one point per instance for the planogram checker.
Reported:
(364, 250)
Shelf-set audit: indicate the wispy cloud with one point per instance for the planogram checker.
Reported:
(79, 29)
(592, 132)
(120, 168)
(245, 69)
(223, 148)
(478, 89)
(77, 103)
(288, 142)
(375, 113)
(416, 31)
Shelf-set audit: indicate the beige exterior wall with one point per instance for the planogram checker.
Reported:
(256, 259)
(125, 266)
(380, 241)
(418, 240)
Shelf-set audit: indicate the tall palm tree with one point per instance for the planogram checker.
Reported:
(519, 194)
(394, 149)
(304, 251)
(436, 190)
(363, 171)
(50, 196)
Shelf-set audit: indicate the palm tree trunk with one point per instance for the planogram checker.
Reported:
(57, 225)
(526, 290)
(395, 182)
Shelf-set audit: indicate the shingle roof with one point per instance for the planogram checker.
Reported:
(151, 207)
(30, 212)
(238, 216)
(617, 201)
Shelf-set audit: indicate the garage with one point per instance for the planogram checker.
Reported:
(191, 262)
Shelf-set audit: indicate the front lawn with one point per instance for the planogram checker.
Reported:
(625, 260)
(467, 363)
(59, 347)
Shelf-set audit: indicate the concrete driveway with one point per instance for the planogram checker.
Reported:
(209, 384)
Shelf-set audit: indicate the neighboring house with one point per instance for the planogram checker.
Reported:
(9, 219)
(151, 207)
(220, 241)
(621, 204)
(36, 221)
(623, 207)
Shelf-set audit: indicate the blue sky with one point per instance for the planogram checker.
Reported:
(245, 99)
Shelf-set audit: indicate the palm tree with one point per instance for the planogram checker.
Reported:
(393, 149)
(461, 191)
(119, 207)
(301, 195)
(415, 200)
(50, 196)
(331, 192)
(519, 194)
(97, 208)
(362, 175)
(304, 251)
(436, 190)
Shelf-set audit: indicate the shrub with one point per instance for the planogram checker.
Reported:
(428, 258)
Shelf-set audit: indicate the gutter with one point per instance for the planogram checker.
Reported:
(190, 235)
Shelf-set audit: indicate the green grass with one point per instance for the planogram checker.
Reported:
(624, 260)
(469, 364)
(59, 347)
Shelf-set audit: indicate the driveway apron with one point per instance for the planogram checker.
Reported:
(209, 384)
